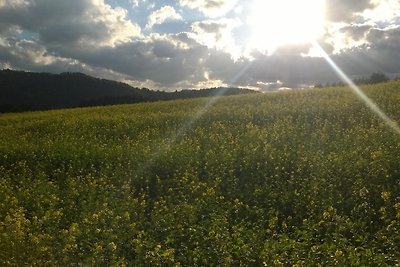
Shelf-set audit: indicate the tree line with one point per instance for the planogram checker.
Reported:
(374, 78)
(28, 91)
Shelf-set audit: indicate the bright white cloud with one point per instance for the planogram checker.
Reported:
(34, 52)
(13, 3)
(384, 11)
(217, 34)
(135, 3)
(119, 29)
(375, 16)
(166, 13)
(149, 5)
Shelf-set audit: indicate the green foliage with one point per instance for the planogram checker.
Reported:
(29, 91)
(306, 178)
(378, 78)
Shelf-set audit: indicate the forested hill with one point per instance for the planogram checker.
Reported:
(27, 91)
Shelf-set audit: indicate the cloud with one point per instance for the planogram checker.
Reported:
(52, 35)
(135, 3)
(345, 10)
(356, 32)
(161, 15)
(92, 37)
(159, 58)
(364, 36)
(217, 34)
(384, 39)
(210, 8)
(58, 23)
(342, 38)
(385, 12)
(269, 86)
(13, 3)
(28, 55)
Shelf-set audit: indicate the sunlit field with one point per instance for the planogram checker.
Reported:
(300, 178)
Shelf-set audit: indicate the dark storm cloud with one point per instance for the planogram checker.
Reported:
(161, 61)
(92, 37)
(59, 22)
(65, 29)
(52, 35)
(388, 39)
(384, 49)
(356, 32)
(378, 51)
(293, 70)
(345, 10)
(31, 56)
(220, 65)
(164, 49)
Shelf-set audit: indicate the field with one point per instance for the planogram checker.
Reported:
(302, 178)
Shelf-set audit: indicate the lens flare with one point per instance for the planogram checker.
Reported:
(357, 90)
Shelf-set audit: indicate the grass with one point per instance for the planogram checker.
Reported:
(283, 179)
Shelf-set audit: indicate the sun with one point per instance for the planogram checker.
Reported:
(275, 23)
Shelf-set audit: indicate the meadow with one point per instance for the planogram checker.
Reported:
(302, 178)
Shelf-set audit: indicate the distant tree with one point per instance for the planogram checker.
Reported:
(378, 78)
(23, 91)
(318, 85)
(362, 80)
(337, 84)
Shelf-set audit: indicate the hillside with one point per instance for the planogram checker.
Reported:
(302, 178)
(26, 91)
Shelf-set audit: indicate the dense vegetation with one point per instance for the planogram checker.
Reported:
(301, 178)
(28, 91)
(374, 78)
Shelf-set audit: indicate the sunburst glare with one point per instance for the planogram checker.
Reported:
(277, 23)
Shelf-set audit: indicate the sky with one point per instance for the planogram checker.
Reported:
(191, 44)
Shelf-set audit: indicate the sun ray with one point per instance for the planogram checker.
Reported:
(357, 90)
